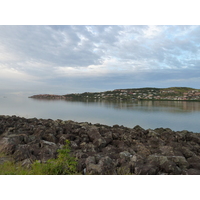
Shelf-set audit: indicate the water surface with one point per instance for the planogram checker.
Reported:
(177, 115)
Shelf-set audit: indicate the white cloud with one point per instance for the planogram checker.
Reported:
(152, 31)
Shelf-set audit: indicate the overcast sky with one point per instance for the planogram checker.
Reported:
(67, 59)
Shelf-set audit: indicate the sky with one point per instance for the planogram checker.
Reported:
(79, 58)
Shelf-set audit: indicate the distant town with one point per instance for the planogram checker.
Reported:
(159, 94)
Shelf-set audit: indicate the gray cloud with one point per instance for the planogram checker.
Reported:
(88, 57)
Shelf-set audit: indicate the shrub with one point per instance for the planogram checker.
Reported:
(64, 164)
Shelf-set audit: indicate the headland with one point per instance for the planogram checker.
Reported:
(158, 94)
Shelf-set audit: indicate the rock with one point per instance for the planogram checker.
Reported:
(111, 151)
(187, 153)
(193, 172)
(194, 162)
(49, 137)
(108, 137)
(22, 152)
(133, 158)
(115, 135)
(107, 165)
(154, 142)
(27, 162)
(193, 137)
(118, 143)
(91, 166)
(7, 146)
(101, 149)
(99, 142)
(166, 150)
(71, 137)
(138, 128)
(125, 154)
(90, 159)
(93, 133)
(93, 169)
(142, 150)
(74, 145)
(152, 133)
(148, 169)
(180, 161)
(164, 163)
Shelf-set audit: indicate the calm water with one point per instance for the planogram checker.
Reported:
(148, 114)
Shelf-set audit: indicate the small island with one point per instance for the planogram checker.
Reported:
(158, 94)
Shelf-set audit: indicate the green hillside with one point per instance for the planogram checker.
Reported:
(147, 93)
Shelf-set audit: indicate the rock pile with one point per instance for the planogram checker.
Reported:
(102, 149)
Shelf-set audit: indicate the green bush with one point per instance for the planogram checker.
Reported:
(64, 164)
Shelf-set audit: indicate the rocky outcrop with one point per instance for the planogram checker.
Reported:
(47, 96)
(101, 149)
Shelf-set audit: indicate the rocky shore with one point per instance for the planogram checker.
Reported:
(101, 149)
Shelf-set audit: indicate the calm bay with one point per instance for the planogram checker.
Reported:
(176, 115)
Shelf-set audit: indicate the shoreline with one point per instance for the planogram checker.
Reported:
(171, 93)
(102, 149)
(110, 100)
(62, 97)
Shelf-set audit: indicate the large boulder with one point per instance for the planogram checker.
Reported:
(194, 162)
(93, 133)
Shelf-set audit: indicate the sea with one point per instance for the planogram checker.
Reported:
(176, 115)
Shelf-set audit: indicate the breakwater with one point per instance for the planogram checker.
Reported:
(101, 149)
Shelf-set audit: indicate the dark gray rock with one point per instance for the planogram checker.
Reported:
(101, 149)
(193, 172)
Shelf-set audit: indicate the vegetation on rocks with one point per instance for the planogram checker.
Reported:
(64, 164)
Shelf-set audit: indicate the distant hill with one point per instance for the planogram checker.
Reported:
(147, 93)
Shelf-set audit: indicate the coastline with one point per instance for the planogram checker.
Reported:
(160, 94)
(102, 149)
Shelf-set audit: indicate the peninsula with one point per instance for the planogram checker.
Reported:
(159, 94)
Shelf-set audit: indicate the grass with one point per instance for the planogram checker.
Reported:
(10, 168)
(64, 164)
